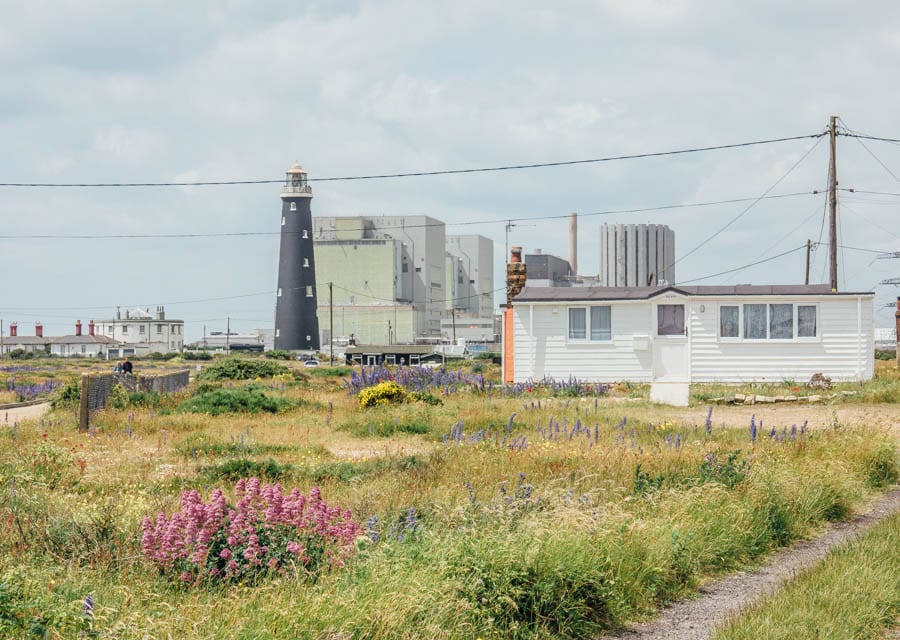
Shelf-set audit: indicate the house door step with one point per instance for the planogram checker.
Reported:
(676, 394)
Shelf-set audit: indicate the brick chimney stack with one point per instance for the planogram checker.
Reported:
(91, 326)
(78, 327)
(39, 330)
(13, 329)
(897, 320)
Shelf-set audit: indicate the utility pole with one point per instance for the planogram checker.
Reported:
(453, 315)
(832, 198)
(331, 321)
(228, 335)
(808, 252)
(1, 337)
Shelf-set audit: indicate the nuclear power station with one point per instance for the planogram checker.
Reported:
(296, 325)
(636, 255)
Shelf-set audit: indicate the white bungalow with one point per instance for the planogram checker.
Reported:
(682, 334)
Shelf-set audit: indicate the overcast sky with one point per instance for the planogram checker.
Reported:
(112, 91)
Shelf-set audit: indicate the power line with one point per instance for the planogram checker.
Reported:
(750, 206)
(746, 266)
(415, 174)
(236, 234)
(867, 137)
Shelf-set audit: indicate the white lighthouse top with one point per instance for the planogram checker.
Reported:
(295, 184)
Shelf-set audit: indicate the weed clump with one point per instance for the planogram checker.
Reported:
(250, 399)
(240, 369)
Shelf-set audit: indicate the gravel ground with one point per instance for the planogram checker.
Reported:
(32, 412)
(697, 619)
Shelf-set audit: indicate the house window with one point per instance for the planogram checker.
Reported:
(806, 321)
(83, 349)
(781, 321)
(293, 206)
(309, 291)
(754, 322)
(729, 322)
(124, 328)
(159, 328)
(142, 329)
(601, 323)
(670, 320)
(577, 323)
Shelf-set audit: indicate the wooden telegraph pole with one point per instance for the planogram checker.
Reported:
(832, 198)
(331, 321)
(808, 252)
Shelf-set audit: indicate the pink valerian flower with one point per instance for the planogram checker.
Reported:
(183, 541)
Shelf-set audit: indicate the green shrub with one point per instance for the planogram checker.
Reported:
(20, 354)
(68, 395)
(241, 400)
(881, 467)
(118, 397)
(387, 392)
(330, 372)
(278, 354)
(424, 397)
(245, 468)
(730, 471)
(197, 355)
(241, 369)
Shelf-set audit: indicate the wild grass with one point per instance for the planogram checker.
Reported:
(567, 535)
(853, 593)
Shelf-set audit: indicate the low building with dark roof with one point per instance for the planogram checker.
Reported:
(684, 334)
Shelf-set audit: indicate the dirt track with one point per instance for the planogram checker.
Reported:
(697, 619)
(19, 414)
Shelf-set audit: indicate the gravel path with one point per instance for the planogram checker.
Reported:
(697, 619)
(32, 412)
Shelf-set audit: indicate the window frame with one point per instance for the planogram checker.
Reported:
(767, 303)
(588, 327)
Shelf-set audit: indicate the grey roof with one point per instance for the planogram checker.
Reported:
(10, 340)
(549, 294)
(83, 339)
(390, 348)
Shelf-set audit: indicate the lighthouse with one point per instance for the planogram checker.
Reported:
(296, 325)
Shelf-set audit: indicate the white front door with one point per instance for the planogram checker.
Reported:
(670, 343)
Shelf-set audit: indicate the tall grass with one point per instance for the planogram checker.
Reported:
(853, 593)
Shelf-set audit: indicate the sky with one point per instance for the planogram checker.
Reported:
(112, 91)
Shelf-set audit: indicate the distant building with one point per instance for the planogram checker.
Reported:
(547, 270)
(29, 344)
(380, 278)
(78, 345)
(470, 275)
(142, 332)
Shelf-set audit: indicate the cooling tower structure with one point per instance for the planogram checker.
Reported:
(636, 255)
(296, 324)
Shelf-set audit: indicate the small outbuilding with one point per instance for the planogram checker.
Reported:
(684, 334)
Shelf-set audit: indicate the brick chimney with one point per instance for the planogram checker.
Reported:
(897, 320)
(39, 330)
(515, 280)
(78, 327)
(13, 329)
(91, 328)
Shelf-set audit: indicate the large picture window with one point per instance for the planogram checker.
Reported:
(590, 323)
(782, 321)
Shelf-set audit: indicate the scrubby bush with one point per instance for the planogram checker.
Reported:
(68, 395)
(265, 531)
(250, 399)
(241, 369)
(197, 355)
(383, 393)
(424, 397)
(278, 354)
(245, 468)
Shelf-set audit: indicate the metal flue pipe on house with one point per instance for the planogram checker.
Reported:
(573, 243)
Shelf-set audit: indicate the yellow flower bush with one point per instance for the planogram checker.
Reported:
(383, 393)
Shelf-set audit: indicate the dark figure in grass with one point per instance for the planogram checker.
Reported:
(127, 367)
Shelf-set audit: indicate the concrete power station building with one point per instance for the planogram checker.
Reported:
(395, 279)
(296, 325)
(636, 255)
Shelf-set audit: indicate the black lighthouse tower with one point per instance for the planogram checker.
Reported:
(296, 325)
